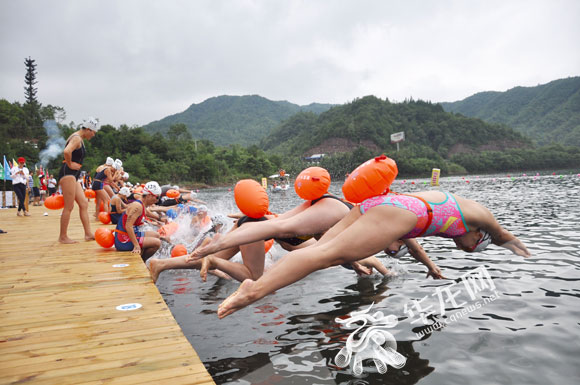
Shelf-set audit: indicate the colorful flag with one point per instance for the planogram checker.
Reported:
(6, 173)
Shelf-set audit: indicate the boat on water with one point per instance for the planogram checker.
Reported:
(279, 182)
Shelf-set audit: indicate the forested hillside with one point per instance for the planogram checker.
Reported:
(228, 120)
(434, 138)
(548, 113)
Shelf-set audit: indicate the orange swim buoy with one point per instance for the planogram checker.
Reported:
(59, 201)
(168, 229)
(90, 193)
(312, 183)
(268, 245)
(50, 203)
(251, 198)
(105, 237)
(178, 251)
(104, 217)
(372, 178)
(172, 194)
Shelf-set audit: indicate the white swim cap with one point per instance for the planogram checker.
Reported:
(118, 164)
(403, 250)
(484, 241)
(91, 123)
(219, 219)
(126, 176)
(152, 188)
(193, 194)
(202, 209)
(125, 191)
(109, 161)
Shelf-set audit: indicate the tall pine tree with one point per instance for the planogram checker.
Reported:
(34, 129)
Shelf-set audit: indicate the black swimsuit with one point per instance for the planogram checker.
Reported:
(77, 156)
(295, 241)
(98, 180)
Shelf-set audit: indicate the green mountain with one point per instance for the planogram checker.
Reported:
(370, 121)
(227, 120)
(547, 113)
(354, 132)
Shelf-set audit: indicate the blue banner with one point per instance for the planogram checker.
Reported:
(6, 173)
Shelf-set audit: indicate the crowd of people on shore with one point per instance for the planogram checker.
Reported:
(325, 230)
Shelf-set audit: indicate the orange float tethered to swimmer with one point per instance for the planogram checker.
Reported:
(178, 251)
(168, 229)
(104, 217)
(268, 245)
(251, 198)
(90, 194)
(172, 193)
(54, 202)
(372, 178)
(312, 183)
(105, 237)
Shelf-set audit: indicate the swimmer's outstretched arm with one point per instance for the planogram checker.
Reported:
(417, 252)
(499, 235)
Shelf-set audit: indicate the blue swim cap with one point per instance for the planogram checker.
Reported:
(171, 213)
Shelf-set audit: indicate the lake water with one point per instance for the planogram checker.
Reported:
(527, 335)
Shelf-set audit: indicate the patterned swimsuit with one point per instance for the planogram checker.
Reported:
(446, 221)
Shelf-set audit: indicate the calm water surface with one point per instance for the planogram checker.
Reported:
(528, 335)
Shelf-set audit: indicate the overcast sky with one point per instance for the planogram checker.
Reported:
(135, 61)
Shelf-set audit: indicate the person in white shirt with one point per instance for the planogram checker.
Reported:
(51, 185)
(19, 174)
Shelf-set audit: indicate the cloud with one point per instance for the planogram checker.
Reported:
(137, 61)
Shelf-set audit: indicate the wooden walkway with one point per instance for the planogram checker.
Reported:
(58, 318)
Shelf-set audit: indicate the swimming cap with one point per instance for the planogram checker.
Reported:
(126, 176)
(152, 188)
(403, 250)
(219, 219)
(125, 191)
(118, 164)
(202, 209)
(484, 241)
(109, 161)
(91, 123)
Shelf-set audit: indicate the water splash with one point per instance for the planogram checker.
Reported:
(54, 145)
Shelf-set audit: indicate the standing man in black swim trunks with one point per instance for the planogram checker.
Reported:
(74, 155)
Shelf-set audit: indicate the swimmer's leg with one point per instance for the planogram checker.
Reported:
(253, 256)
(310, 220)
(380, 226)
(156, 266)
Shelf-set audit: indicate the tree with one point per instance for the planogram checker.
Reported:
(178, 131)
(32, 107)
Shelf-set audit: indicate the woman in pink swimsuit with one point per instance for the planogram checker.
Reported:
(374, 225)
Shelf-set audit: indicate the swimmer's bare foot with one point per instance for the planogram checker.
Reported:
(89, 237)
(67, 241)
(238, 300)
(155, 268)
(207, 264)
